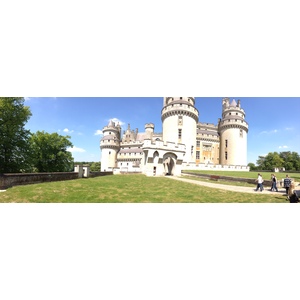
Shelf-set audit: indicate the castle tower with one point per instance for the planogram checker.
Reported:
(179, 120)
(149, 128)
(233, 131)
(110, 146)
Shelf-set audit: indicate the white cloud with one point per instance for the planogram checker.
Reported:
(289, 128)
(76, 149)
(269, 132)
(68, 130)
(283, 147)
(116, 120)
(98, 132)
(26, 98)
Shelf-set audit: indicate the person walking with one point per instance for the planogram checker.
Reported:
(274, 183)
(259, 181)
(287, 183)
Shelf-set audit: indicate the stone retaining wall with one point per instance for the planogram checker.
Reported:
(11, 179)
(228, 178)
(97, 174)
(8, 180)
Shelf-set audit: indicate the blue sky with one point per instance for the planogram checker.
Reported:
(274, 122)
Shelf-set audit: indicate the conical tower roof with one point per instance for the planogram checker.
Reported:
(233, 103)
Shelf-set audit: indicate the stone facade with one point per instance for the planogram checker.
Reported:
(184, 143)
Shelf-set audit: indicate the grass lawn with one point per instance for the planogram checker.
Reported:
(128, 189)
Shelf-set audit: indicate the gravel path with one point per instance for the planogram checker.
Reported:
(233, 188)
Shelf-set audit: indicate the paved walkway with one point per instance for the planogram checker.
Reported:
(233, 188)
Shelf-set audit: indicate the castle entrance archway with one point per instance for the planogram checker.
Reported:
(169, 161)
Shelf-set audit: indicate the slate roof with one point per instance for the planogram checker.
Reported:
(108, 137)
(131, 150)
(233, 103)
(141, 136)
(207, 132)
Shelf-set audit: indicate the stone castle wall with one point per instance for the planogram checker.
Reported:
(13, 179)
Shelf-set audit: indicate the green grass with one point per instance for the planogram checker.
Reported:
(252, 175)
(128, 189)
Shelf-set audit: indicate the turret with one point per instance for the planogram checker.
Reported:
(233, 131)
(149, 128)
(110, 146)
(180, 118)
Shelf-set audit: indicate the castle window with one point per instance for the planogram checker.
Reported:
(110, 133)
(226, 143)
(192, 150)
(241, 133)
(109, 152)
(197, 154)
(198, 143)
(179, 133)
(180, 120)
(180, 98)
(226, 155)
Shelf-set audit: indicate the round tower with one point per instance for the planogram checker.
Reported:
(233, 131)
(149, 128)
(110, 146)
(179, 120)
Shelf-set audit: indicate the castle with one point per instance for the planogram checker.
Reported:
(185, 143)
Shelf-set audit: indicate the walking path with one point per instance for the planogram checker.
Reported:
(232, 188)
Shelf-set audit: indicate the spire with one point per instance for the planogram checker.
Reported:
(233, 103)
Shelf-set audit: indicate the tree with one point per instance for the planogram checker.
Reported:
(291, 160)
(14, 138)
(49, 152)
(252, 167)
(270, 161)
(95, 167)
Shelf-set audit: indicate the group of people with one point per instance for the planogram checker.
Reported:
(288, 184)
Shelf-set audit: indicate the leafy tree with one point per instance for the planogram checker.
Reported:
(291, 160)
(252, 167)
(49, 152)
(95, 167)
(14, 146)
(269, 162)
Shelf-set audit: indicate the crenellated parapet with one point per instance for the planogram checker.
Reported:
(180, 107)
(233, 116)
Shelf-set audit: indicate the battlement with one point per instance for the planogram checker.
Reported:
(163, 145)
(149, 125)
(180, 108)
